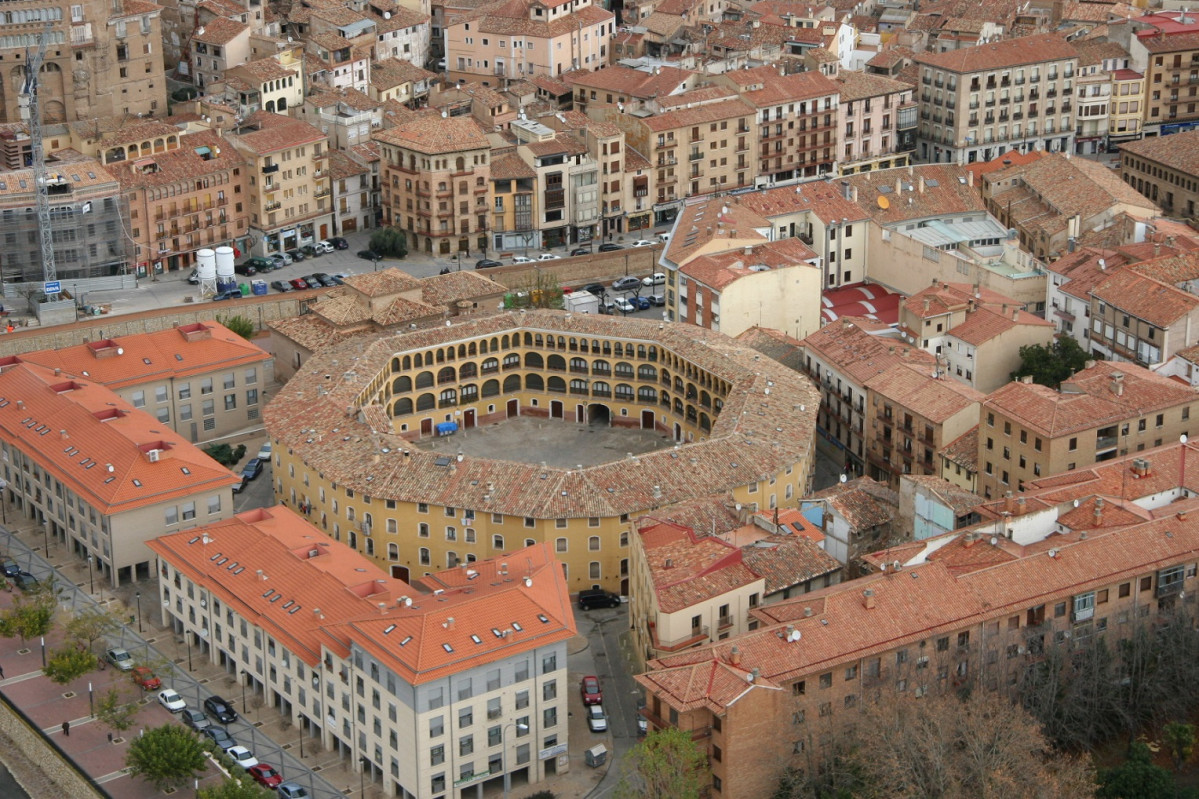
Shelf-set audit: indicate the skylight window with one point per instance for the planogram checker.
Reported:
(516, 626)
(476, 639)
(447, 647)
(387, 630)
(544, 619)
(407, 638)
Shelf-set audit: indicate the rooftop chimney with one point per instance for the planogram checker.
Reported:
(735, 656)
(1097, 517)
(970, 178)
(1015, 314)
(1118, 384)
(807, 613)
(868, 598)
(921, 184)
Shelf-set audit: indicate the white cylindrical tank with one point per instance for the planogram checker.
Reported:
(205, 265)
(225, 277)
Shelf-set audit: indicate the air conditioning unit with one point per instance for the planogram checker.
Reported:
(154, 455)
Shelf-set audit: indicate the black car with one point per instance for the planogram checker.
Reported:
(597, 289)
(296, 256)
(252, 469)
(339, 243)
(369, 255)
(581, 251)
(231, 294)
(220, 737)
(25, 581)
(10, 567)
(598, 598)
(609, 247)
(486, 263)
(325, 279)
(220, 710)
(279, 285)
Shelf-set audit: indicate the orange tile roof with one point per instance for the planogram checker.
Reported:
(913, 386)
(998, 55)
(97, 444)
(1157, 303)
(284, 575)
(178, 352)
(849, 346)
(687, 569)
(719, 270)
(963, 450)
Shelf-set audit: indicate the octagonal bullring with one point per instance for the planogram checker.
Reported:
(363, 444)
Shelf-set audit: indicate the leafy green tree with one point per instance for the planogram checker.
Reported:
(239, 325)
(390, 241)
(666, 764)
(540, 291)
(238, 787)
(31, 614)
(1180, 739)
(113, 710)
(1136, 778)
(166, 756)
(1050, 365)
(90, 626)
(67, 663)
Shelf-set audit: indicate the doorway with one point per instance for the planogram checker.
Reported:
(555, 409)
(513, 408)
(468, 418)
(599, 415)
(647, 420)
(399, 573)
(426, 427)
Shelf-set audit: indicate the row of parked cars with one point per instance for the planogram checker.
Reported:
(488, 263)
(263, 264)
(217, 710)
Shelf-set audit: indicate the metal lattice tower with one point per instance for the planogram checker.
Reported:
(31, 115)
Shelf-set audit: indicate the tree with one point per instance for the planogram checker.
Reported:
(235, 788)
(224, 454)
(666, 764)
(67, 663)
(1136, 778)
(31, 614)
(115, 712)
(1050, 365)
(166, 756)
(389, 241)
(1180, 739)
(91, 626)
(541, 291)
(239, 325)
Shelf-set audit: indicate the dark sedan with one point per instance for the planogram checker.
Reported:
(369, 255)
(339, 243)
(280, 286)
(219, 709)
(486, 263)
(580, 251)
(252, 469)
(609, 247)
(220, 737)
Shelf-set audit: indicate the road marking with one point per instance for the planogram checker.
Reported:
(114, 775)
(29, 675)
(79, 722)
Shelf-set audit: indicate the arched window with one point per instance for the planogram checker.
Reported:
(491, 388)
(646, 372)
(593, 543)
(470, 393)
(467, 371)
(578, 366)
(447, 375)
(370, 546)
(560, 545)
(534, 382)
(623, 369)
(401, 384)
(601, 367)
(578, 387)
(601, 389)
(647, 394)
(424, 380)
(556, 385)
(424, 556)
(448, 398)
(403, 407)
(533, 360)
(512, 360)
(555, 363)
(512, 383)
(426, 402)
(491, 365)
(393, 552)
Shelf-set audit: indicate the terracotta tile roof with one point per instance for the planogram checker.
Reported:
(275, 132)
(1170, 44)
(963, 450)
(953, 193)
(382, 283)
(128, 130)
(1178, 151)
(553, 86)
(401, 18)
(774, 344)
(77, 429)
(353, 99)
(860, 85)
(825, 200)
(987, 324)
(511, 167)
(706, 94)
(341, 166)
(1088, 399)
(944, 297)
(788, 560)
(273, 568)
(181, 165)
(792, 88)
(864, 503)
(850, 346)
(687, 569)
(261, 71)
(1157, 303)
(219, 31)
(637, 83)
(913, 386)
(699, 115)
(391, 72)
(435, 135)
(738, 450)
(440, 291)
(341, 309)
(717, 271)
(1082, 270)
(999, 55)
(311, 331)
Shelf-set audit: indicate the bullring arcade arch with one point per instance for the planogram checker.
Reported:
(599, 414)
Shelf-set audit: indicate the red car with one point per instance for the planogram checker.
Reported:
(146, 679)
(590, 688)
(264, 774)
(298, 283)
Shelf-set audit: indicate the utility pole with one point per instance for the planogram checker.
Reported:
(31, 114)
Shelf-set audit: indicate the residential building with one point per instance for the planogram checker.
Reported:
(466, 671)
(103, 59)
(192, 195)
(841, 358)
(399, 80)
(959, 461)
(931, 506)
(915, 413)
(1127, 112)
(337, 62)
(1166, 170)
(403, 35)
(1144, 314)
(633, 89)
(1104, 411)
(272, 84)
(346, 116)
(977, 102)
(436, 182)
(1165, 48)
(514, 204)
(509, 39)
(1097, 63)
(289, 189)
(102, 477)
(857, 517)
(450, 511)
(202, 380)
(351, 182)
(876, 122)
(567, 181)
(217, 46)
(1056, 199)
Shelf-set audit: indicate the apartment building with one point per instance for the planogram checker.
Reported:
(272, 84)
(1126, 115)
(842, 357)
(346, 116)
(632, 88)
(959, 461)
(1097, 61)
(288, 162)
(876, 122)
(1104, 411)
(980, 101)
(514, 204)
(857, 517)
(567, 180)
(103, 59)
(914, 413)
(102, 476)
(1164, 169)
(445, 689)
(1140, 316)
(395, 79)
(436, 182)
(351, 182)
(513, 39)
(192, 195)
(339, 63)
(217, 46)
(1167, 51)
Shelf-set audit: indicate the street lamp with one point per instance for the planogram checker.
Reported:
(245, 676)
(520, 727)
(187, 636)
(458, 258)
(138, 595)
(91, 586)
(375, 259)
(43, 651)
(91, 700)
(362, 776)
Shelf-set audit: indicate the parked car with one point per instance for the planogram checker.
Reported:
(265, 775)
(282, 259)
(237, 487)
(325, 246)
(369, 255)
(642, 303)
(486, 263)
(227, 294)
(549, 256)
(310, 251)
(522, 259)
(589, 687)
(298, 283)
(171, 700)
(314, 281)
(292, 790)
(624, 306)
(119, 658)
(610, 247)
(657, 299)
(146, 679)
(25, 581)
(252, 469)
(281, 286)
(296, 256)
(596, 720)
(220, 710)
(642, 243)
(625, 283)
(339, 243)
(656, 279)
(247, 269)
(242, 757)
(10, 567)
(264, 452)
(598, 289)
(194, 718)
(580, 251)
(597, 598)
(325, 279)
(220, 736)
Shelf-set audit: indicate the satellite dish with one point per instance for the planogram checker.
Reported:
(883, 202)
(844, 478)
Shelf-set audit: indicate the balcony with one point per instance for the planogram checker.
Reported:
(698, 635)
(270, 169)
(325, 192)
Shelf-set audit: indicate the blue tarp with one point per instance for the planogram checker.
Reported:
(447, 428)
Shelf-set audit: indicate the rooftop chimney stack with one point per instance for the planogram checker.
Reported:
(735, 656)
(868, 598)
(1097, 517)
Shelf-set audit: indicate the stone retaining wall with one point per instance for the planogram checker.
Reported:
(34, 763)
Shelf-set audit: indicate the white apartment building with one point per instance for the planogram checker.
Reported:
(446, 690)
